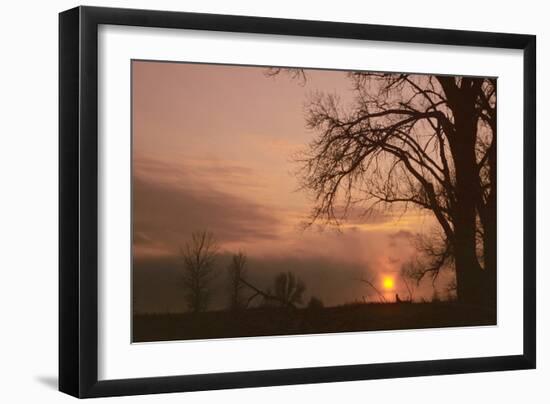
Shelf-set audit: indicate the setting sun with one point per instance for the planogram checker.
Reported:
(388, 283)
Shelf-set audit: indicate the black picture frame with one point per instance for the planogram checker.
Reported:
(78, 201)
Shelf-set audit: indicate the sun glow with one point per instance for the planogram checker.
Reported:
(388, 283)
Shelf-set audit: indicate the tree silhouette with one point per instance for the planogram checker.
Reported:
(288, 289)
(422, 141)
(237, 272)
(199, 255)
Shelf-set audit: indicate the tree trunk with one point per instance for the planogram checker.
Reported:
(462, 141)
(468, 270)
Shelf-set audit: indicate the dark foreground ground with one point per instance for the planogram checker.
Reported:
(272, 321)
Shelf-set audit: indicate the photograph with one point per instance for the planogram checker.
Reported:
(272, 201)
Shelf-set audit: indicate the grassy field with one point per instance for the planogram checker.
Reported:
(273, 321)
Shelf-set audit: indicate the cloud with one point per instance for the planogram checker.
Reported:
(401, 241)
(401, 235)
(166, 215)
(196, 173)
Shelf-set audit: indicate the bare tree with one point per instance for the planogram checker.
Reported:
(199, 255)
(421, 141)
(237, 272)
(288, 289)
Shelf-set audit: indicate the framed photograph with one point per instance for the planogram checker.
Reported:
(251, 201)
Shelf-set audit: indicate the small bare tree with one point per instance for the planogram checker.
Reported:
(288, 289)
(236, 272)
(199, 255)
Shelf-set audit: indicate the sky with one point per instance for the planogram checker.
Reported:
(214, 149)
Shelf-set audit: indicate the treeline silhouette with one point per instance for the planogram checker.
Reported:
(279, 307)
(199, 271)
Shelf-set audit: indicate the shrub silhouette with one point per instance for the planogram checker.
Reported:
(315, 303)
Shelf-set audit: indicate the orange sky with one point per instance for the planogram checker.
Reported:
(212, 149)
